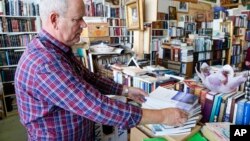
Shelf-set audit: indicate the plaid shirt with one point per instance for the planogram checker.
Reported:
(59, 99)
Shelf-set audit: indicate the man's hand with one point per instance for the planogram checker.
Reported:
(174, 116)
(168, 116)
(136, 94)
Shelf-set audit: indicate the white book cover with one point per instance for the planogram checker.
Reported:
(162, 129)
(165, 98)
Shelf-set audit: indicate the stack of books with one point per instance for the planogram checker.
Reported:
(162, 98)
(216, 131)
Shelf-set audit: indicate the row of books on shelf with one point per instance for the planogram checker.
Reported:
(176, 32)
(116, 22)
(17, 25)
(162, 16)
(178, 53)
(15, 40)
(118, 31)
(9, 57)
(8, 88)
(159, 32)
(122, 39)
(247, 37)
(236, 59)
(190, 27)
(220, 15)
(186, 18)
(240, 20)
(94, 9)
(8, 74)
(160, 25)
(205, 32)
(236, 49)
(206, 25)
(184, 69)
(202, 44)
(221, 44)
(19, 8)
(200, 56)
(113, 12)
(156, 44)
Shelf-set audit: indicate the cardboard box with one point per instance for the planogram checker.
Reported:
(139, 133)
(96, 30)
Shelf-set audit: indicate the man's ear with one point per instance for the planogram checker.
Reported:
(54, 19)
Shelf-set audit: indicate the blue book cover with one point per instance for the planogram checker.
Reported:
(185, 100)
(217, 110)
(215, 105)
(246, 118)
(240, 112)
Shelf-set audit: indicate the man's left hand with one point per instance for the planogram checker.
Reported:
(136, 94)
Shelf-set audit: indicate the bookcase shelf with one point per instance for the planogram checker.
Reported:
(17, 33)
(19, 23)
(7, 48)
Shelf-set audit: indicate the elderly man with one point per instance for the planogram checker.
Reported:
(59, 99)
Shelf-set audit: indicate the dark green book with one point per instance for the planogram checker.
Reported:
(155, 139)
(197, 137)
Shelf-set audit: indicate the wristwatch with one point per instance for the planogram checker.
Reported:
(126, 90)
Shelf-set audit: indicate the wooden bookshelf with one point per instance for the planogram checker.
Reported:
(234, 4)
(16, 30)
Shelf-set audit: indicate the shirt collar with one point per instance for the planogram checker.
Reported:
(45, 35)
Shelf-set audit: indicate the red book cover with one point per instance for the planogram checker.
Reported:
(206, 111)
(203, 97)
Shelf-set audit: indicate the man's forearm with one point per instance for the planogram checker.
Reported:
(151, 116)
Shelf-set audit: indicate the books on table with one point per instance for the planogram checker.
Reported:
(164, 98)
(216, 131)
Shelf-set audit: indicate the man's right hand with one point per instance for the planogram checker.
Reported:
(168, 116)
(174, 116)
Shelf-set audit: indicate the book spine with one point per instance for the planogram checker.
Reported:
(246, 119)
(240, 112)
(206, 112)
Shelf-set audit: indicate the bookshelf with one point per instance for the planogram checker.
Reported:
(238, 40)
(202, 51)
(227, 28)
(154, 35)
(19, 23)
(246, 43)
(117, 24)
(179, 59)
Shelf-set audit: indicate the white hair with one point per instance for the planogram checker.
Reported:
(48, 6)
